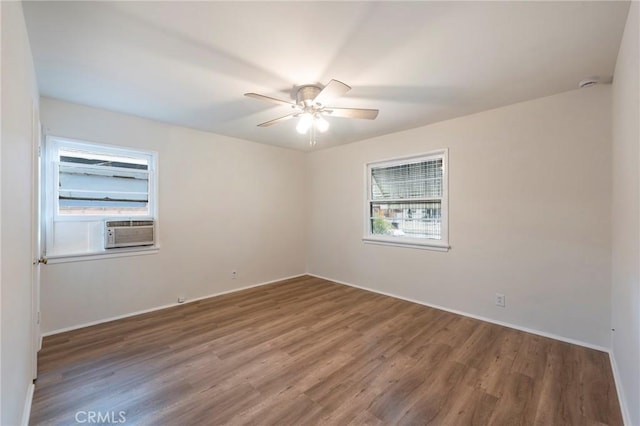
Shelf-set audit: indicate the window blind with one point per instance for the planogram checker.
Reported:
(420, 180)
(406, 199)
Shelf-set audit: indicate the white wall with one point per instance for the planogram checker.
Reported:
(626, 217)
(19, 92)
(224, 204)
(529, 216)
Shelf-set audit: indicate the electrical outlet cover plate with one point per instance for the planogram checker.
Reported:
(500, 300)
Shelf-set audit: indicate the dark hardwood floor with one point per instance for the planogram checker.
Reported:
(308, 351)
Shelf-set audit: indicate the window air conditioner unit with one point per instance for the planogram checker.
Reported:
(129, 233)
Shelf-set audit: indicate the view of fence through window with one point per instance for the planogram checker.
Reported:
(99, 184)
(406, 199)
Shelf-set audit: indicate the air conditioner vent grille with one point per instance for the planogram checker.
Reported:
(129, 223)
(129, 233)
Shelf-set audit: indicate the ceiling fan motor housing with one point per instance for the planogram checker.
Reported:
(306, 95)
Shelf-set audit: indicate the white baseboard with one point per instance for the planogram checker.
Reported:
(478, 317)
(158, 308)
(626, 416)
(26, 412)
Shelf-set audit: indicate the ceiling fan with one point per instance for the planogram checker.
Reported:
(311, 106)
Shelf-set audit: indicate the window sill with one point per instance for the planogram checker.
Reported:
(408, 244)
(111, 254)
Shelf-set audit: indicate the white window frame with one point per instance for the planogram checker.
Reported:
(420, 243)
(50, 207)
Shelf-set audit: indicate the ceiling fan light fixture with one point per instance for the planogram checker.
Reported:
(321, 124)
(305, 123)
(311, 104)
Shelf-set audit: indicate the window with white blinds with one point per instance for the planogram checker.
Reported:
(407, 201)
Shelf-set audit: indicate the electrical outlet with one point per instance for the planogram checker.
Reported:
(234, 274)
(181, 299)
(501, 300)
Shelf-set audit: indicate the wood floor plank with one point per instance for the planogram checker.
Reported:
(515, 398)
(310, 351)
(436, 395)
(470, 406)
(531, 358)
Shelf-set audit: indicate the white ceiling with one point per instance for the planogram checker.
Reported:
(189, 63)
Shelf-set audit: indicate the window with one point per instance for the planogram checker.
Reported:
(407, 201)
(91, 183)
(88, 183)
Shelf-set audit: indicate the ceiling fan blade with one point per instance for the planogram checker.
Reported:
(277, 120)
(368, 114)
(332, 90)
(270, 99)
